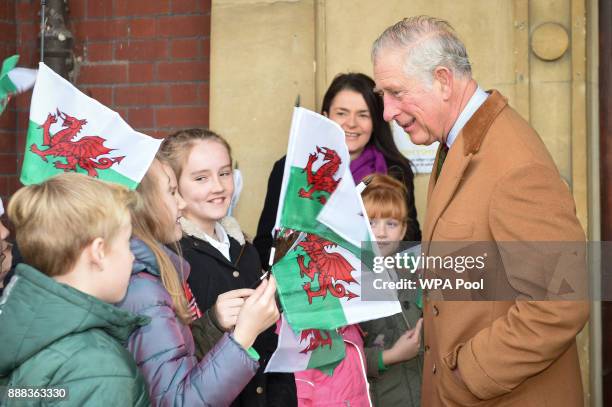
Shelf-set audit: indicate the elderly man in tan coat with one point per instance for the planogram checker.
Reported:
(494, 181)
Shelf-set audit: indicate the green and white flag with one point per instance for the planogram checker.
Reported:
(317, 164)
(308, 349)
(69, 131)
(319, 278)
(320, 287)
(345, 214)
(14, 80)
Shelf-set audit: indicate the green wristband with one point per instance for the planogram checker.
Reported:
(381, 364)
(253, 353)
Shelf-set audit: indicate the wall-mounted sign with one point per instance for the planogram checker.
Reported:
(421, 157)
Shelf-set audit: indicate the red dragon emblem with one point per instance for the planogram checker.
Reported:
(331, 267)
(323, 179)
(83, 152)
(317, 339)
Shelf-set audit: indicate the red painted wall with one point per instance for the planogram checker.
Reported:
(146, 59)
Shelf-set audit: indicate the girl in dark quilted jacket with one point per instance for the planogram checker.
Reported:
(62, 339)
(164, 350)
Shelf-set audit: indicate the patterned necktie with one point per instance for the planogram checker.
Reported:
(441, 158)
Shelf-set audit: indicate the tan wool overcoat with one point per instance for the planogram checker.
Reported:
(500, 184)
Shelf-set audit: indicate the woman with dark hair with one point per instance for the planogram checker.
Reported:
(351, 102)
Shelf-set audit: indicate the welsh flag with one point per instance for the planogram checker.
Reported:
(319, 284)
(14, 80)
(319, 278)
(70, 131)
(317, 164)
(308, 349)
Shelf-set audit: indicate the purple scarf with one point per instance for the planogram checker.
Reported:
(369, 162)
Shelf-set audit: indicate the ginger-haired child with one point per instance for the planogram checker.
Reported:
(392, 343)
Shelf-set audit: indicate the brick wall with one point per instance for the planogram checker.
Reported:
(146, 59)
(8, 120)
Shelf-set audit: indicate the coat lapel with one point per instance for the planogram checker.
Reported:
(441, 191)
(432, 178)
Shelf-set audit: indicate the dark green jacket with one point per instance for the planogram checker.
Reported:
(400, 384)
(53, 335)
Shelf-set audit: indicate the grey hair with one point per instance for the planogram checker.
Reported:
(428, 42)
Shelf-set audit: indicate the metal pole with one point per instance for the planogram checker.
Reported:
(43, 6)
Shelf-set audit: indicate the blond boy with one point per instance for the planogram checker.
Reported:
(62, 340)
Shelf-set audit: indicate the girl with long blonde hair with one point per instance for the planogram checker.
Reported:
(164, 350)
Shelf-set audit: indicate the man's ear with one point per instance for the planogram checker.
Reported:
(443, 77)
(96, 250)
(325, 114)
